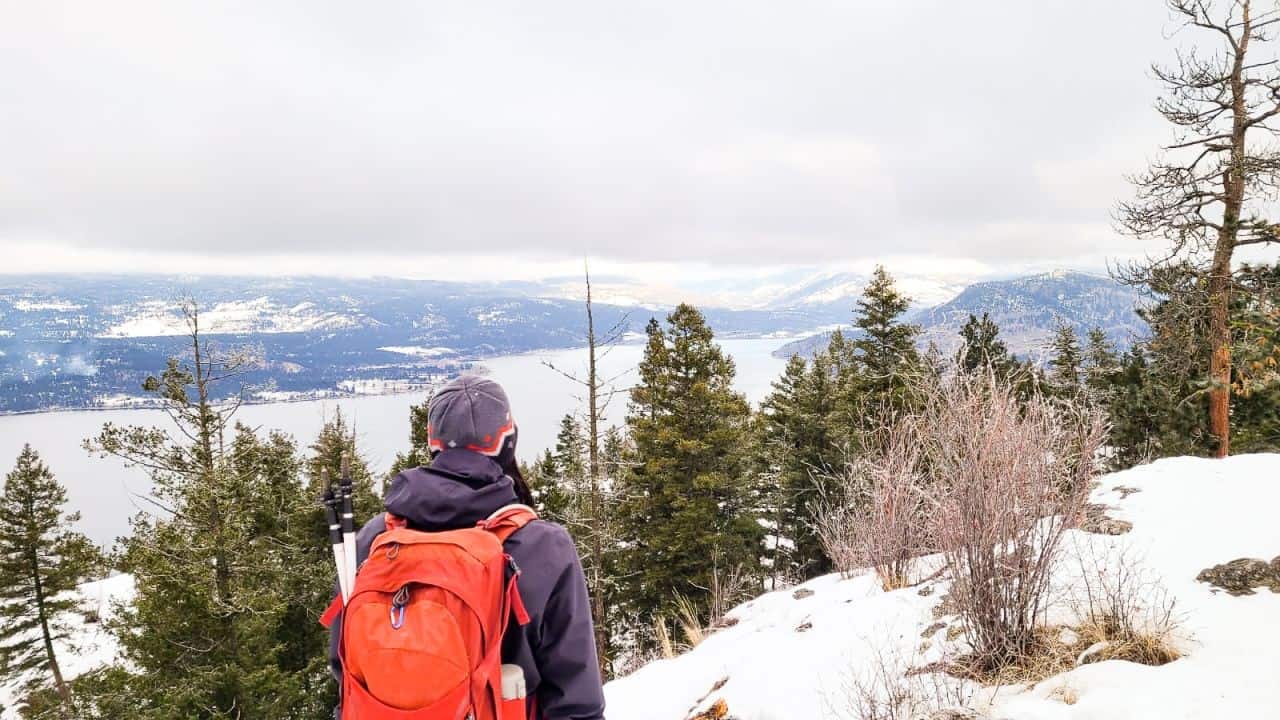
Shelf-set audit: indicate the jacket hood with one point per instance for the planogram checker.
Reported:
(459, 489)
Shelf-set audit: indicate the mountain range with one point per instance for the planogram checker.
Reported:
(77, 341)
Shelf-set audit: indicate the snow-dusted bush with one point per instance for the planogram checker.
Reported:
(878, 517)
(1009, 478)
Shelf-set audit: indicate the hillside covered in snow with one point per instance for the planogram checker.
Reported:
(816, 650)
(842, 648)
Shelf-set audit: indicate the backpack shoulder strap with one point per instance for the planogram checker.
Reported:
(505, 521)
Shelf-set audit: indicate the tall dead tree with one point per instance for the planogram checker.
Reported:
(1207, 193)
(599, 392)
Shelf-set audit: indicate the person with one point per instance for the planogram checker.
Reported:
(473, 473)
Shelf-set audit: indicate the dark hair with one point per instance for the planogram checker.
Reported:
(523, 493)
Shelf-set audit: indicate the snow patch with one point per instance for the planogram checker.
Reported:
(259, 315)
(54, 305)
(416, 351)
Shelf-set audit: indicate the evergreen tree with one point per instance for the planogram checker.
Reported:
(798, 450)
(982, 347)
(419, 452)
(336, 440)
(549, 495)
(1066, 361)
(217, 572)
(291, 517)
(562, 480)
(886, 351)
(1158, 398)
(42, 560)
(1100, 361)
(685, 513)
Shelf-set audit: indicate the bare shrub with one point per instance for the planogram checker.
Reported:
(1121, 606)
(1009, 478)
(877, 518)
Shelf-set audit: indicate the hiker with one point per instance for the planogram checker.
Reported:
(473, 474)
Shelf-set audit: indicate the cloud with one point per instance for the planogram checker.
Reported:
(722, 132)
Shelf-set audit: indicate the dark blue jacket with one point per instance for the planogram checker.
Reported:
(557, 648)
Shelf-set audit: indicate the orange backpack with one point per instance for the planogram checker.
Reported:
(422, 632)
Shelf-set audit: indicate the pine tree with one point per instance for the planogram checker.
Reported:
(336, 440)
(562, 480)
(798, 450)
(42, 560)
(886, 351)
(215, 572)
(549, 495)
(419, 453)
(1157, 399)
(686, 513)
(982, 348)
(1066, 361)
(1100, 361)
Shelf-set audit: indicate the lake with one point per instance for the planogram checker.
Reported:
(106, 493)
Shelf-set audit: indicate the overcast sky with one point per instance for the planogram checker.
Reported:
(510, 139)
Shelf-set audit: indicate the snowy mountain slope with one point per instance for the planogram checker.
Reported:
(795, 655)
(90, 645)
(1027, 309)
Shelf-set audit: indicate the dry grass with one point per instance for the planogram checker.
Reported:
(662, 635)
(690, 624)
(1049, 654)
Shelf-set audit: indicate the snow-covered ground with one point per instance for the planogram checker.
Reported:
(90, 645)
(792, 654)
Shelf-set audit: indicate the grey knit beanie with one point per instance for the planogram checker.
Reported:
(470, 413)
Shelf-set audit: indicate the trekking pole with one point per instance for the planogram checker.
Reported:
(330, 502)
(348, 522)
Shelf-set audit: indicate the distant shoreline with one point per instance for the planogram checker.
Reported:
(338, 395)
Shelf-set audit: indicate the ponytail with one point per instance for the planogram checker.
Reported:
(523, 493)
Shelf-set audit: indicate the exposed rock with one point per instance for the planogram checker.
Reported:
(1097, 521)
(946, 606)
(929, 631)
(925, 591)
(1242, 575)
(806, 625)
(954, 714)
(802, 593)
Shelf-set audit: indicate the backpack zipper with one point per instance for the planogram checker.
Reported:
(398, 603)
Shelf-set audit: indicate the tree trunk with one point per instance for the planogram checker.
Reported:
(44, 629)
(1233, 182)
(593, 468)
(1220, 359)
